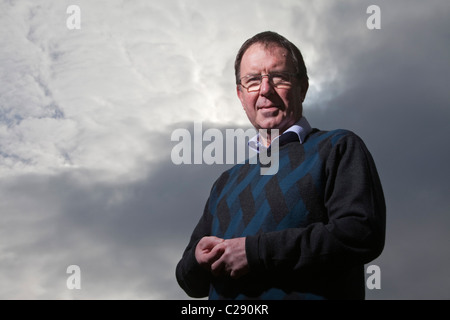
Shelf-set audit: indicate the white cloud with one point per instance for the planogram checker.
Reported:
(92, 98)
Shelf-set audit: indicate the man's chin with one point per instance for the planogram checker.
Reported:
(271, 124)
(268, 126)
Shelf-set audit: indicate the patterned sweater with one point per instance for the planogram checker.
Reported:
(309, 229)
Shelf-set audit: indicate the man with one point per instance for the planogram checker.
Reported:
(306, 231)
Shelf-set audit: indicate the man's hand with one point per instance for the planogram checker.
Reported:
(223, 257)
(208, 251)
(233, 260)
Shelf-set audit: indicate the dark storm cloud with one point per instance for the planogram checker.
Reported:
(126, 237)
(397, 99)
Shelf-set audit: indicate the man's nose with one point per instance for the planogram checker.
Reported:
(266, 88)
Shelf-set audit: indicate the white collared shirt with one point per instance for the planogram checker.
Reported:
(301, 128)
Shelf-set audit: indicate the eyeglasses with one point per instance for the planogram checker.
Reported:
(281, 80)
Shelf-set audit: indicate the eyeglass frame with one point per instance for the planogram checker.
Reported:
(269, 77)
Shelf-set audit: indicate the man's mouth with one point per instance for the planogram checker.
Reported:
(267, 108)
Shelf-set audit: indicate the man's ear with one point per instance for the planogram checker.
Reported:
(304, 84)
(240, 94)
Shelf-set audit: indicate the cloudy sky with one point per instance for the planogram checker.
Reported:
(86, 117)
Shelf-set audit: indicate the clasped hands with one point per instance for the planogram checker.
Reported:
(223, 257)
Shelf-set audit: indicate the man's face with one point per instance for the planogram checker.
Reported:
(270, 107)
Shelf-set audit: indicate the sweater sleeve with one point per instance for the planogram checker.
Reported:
(355, 231)
(191, 277)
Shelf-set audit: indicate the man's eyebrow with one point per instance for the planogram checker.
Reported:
(270, 71)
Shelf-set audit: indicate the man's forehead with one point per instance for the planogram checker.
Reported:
(255, 54)
(271, 48)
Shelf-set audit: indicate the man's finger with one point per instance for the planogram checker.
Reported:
(215, 254)
(205, 253)
(207, 243)
(217, 268)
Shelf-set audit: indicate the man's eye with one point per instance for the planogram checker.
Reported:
(280, 77)
(254, 79)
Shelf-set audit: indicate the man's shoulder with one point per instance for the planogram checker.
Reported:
(333, 136)
(337, 143)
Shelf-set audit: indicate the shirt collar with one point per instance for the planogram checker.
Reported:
(302, 128)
